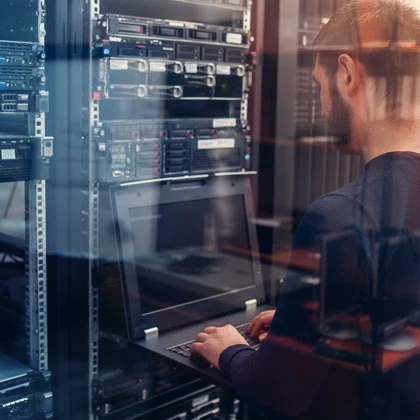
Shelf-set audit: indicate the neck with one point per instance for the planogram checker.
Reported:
(378, 138)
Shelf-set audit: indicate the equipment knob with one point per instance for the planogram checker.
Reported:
(41, 56)
(177, 92)
(142, 91)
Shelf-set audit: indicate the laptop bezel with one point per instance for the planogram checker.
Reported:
(171, 192)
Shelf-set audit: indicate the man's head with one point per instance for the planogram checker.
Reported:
(367, 64)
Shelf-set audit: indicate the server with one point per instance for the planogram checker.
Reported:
(149, 149)
(24, 393)
(187, 85)
(130, 381)
(23, 95)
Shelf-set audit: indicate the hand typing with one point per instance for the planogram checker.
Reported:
(213, 341)
(260, 325)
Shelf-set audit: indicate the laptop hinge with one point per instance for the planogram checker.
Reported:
(151, 333)
(251, 304)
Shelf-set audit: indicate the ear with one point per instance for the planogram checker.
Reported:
(348, 74)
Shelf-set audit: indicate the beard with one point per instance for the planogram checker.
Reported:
(338, 123)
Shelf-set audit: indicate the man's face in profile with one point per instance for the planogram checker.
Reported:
(334, 110)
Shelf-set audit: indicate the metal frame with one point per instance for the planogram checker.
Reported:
(93, 293)
(36, 276)
(218, 5)
(247, 17)
(41, 20)
(257, 93)
(93, 223)
(35, 258)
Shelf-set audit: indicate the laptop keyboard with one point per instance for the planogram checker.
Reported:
(184, 349)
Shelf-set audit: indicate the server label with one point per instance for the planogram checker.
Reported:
(216, 144)
(157, 66)
(8, 154)
(224, 122)
(234, 38)
(223, 69)
(118, 65)
(191, 68)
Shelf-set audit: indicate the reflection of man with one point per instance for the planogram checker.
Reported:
(371, 93)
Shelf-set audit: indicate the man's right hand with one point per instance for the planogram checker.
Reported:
(260, 325)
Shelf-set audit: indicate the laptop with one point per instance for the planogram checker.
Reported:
(189, 259)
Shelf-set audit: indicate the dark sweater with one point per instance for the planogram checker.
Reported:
(386, 197)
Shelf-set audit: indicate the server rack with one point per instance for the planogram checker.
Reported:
(217, 409)
(25, 157)
(81, 105)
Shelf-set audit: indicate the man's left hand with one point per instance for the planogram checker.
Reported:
(213, 341)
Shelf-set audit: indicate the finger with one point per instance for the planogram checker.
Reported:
(210, 330)
(252, 323)
(202, 337)
(259, 324)
(196, 347)
(250, 326)
(262, 336)
(256, 326)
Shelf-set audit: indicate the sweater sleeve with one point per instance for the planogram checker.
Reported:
(272, 376)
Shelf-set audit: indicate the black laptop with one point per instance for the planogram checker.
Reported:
(189, 259)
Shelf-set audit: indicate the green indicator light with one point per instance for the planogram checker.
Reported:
(29, 140)
(128, 160)
(47, 379)
(247, 32)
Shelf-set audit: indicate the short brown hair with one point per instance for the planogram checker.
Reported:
(384, 35)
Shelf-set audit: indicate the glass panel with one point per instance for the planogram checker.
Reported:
(208, 209)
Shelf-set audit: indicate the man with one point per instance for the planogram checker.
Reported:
(367, 67)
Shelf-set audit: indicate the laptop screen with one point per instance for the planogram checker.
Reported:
(187, 253)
